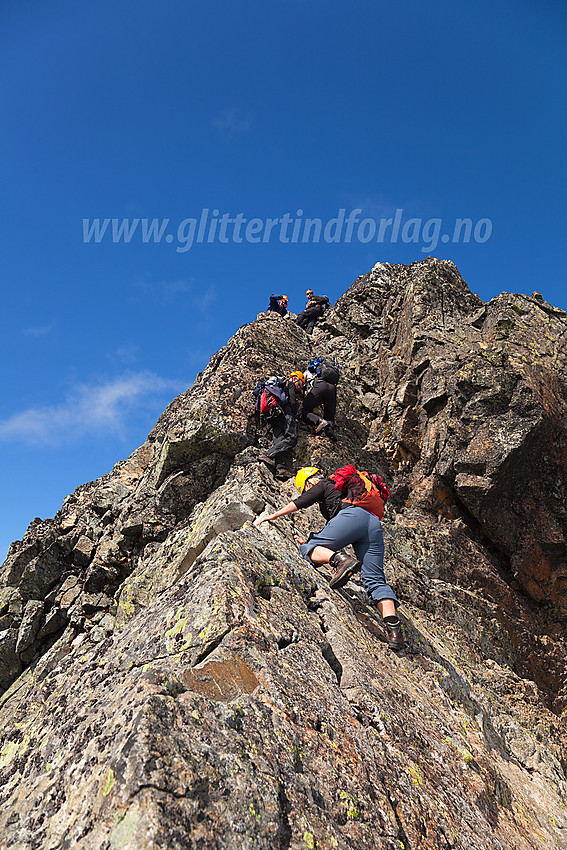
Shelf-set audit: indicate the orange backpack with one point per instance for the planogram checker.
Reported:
(358, 490)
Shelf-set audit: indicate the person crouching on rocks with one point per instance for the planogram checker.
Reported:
(284, 428)
(346, 524)
(314, 309)
(321, 393)
(278, 304)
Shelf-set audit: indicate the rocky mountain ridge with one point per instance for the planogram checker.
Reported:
(174, 677)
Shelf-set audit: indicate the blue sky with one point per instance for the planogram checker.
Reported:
(138, 109)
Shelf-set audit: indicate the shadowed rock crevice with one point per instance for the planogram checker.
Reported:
(211, 647)
(332, 661)
(401, 836)
(284, 833)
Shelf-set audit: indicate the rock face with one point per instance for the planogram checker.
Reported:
(173, 677)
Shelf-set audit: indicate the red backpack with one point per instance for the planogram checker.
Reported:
(270, 397)
(361, 489)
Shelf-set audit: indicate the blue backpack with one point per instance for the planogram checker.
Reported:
(327, 370)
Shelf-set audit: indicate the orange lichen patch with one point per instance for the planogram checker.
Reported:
(431, 494)
(221, 679)
(535, 571)
(559, 591)
(534, 590)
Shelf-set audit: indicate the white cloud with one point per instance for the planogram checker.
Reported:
(232, 122)
(39, 331)
(205, 298)
(382, 206)
(128, 353)
(165, 291)
(89, 410)
(198, 296)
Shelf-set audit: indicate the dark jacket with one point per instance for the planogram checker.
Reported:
(318, 303)
(293, 396)
(275, 306)
(324, 493)
(319, 299)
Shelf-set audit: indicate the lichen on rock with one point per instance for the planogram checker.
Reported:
(174, 677)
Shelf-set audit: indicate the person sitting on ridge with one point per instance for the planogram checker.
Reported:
(278, 304)
(314, 309)
(284, 428)
(347, 523)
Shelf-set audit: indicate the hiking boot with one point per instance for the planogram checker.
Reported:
(394, 635)
(345, 566)
(330, 431)
(284, 474)
(270, 462)
(321, 425)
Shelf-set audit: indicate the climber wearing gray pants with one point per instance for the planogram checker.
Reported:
(346, 524)
(364, 531)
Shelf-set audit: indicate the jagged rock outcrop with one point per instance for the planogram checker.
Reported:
(174, 677)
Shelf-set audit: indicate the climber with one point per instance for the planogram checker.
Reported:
(284, 427)
(346, 524)
(314, 309)
(320, 390)
(278, 304)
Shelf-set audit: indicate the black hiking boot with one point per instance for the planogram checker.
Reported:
(330, 431)
(321, 425)
(270, 462)
(394, 635)
(345, 566)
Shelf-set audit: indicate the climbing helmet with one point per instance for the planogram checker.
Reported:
(302, 476)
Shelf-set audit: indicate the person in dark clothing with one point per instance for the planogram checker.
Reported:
(316, 488)
(346, 524)
(321, 393)
(284, 428)
(278, 304)
(314, 309)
